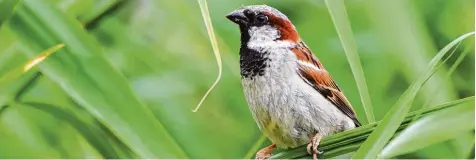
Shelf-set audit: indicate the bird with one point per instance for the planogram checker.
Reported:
(291, 96)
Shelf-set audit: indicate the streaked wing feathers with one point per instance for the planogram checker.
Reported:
(313, 73)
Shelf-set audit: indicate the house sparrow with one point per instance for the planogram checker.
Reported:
(293, 99)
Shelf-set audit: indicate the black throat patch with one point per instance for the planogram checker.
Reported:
(252, 63)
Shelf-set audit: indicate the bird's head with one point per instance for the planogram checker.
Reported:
(264, 25)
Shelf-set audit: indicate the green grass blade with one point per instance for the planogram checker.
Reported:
(339, 17)
(83, 72)
(213, 40)
(349, 141)
(392, 120)
(6, 9)
(438, 127)
(448, 74)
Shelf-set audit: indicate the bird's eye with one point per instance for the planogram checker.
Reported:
(261, 18)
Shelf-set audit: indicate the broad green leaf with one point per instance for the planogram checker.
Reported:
(83, 72)
(45, 96)
(6, 9)
(349, 141)
(94, 135)
(437, 127)
(14, 144)
(18, 126)
(392, 120)
(38, 130)
(341, 22)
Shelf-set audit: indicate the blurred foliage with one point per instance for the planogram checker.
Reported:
(148, 62)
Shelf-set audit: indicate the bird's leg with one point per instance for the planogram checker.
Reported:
(265, 153)
(312, 146)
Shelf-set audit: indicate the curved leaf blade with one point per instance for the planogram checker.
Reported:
(440, 126)
(94, 135)
(392, 120)
(213, 41)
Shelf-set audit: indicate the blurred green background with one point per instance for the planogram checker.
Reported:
(162, 49)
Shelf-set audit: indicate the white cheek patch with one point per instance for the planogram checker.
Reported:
(264, 39)
(263, 33)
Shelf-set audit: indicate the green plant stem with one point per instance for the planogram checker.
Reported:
(349, 141)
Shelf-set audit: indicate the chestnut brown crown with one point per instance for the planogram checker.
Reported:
(260, 15)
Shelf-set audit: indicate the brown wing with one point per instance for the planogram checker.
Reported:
(312, 72)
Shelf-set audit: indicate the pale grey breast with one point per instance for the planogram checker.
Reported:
(288, 110)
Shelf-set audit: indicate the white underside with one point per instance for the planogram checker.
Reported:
(284, 105)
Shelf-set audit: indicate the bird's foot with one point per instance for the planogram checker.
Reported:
(312, 146)
(262, 156)
(265, 153)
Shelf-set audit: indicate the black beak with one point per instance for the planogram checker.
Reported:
(238, 17)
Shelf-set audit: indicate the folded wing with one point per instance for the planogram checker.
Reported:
(313, 73)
